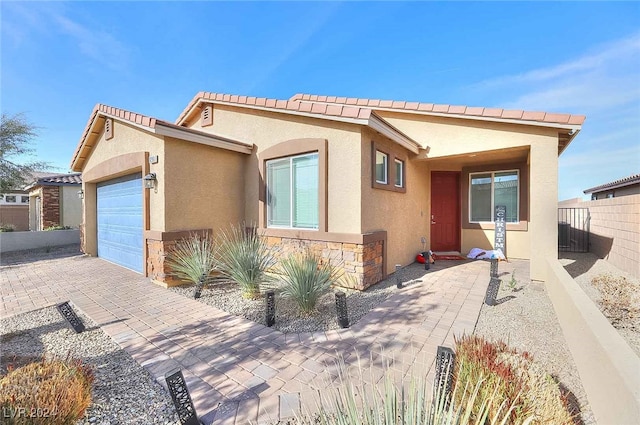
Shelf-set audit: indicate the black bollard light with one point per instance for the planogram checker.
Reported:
(445, 361)
(181, 399)
(341, 309)
(197, 291)
(494, 267)
(270, 309)
(492, 291)
(71, 317)
(398, 281)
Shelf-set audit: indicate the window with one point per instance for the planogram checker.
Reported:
(292, 192)
(399, 173)
(381, 167)
(10, 198)
(25, 199)
(610, 195)
(486, 190)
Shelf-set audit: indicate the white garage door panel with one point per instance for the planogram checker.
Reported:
(120, 221)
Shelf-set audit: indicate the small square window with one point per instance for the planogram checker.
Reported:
(381, 167)
(10, 198)
(25, 199)
(399, 173)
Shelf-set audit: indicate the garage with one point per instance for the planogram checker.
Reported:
(119, 221)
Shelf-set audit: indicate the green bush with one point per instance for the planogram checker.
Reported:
(305, 279)
(7, 227)
(53, 391)
(245, 258)
(193, 259)
(58, 228)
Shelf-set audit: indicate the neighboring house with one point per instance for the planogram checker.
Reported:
(14, 210)
(54, 201)
(359, 181)
(622, 187)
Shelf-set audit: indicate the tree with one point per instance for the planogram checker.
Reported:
(16, 134)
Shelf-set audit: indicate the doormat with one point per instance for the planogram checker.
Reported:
(447, 257)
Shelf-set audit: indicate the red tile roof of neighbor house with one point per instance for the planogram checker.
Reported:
(627, 181)
(319, 109)
(419, 107)
(72, 178)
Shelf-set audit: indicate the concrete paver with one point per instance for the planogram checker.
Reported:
(239, 371)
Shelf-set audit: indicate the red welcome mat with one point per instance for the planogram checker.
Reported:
(447, 257)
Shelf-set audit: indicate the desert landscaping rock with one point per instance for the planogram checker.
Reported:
(123, 393)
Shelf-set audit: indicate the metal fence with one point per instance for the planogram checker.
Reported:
(573, 229)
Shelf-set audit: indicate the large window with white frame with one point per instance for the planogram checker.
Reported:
(382, 167)
(292, 192)
(486, 190)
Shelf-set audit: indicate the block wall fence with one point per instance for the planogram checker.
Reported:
(614, 230)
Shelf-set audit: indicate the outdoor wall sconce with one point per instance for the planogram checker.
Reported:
(81, 194)
(150, 181)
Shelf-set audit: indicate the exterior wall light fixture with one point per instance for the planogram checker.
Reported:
(81, 194)
(150, 181)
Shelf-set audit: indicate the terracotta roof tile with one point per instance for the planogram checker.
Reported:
(261, 101)
(306, 106)
(251, 100)
(364, 113)
(350, 112)
(453, 109)
(334, 110)
(319, 108)
(352, 101)
(63, 179)
(226, 97)
(281, 104)
(270, 103)
(234, 98)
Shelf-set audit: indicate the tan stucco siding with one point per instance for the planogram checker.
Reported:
(451, 136)
(403, 215)
(204, 186)
(517, 246)
(266, 129)
(70, 206)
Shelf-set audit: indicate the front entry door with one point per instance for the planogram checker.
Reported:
(445, 211)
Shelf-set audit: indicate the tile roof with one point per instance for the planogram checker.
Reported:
(71, 178)
(507, 114)
(320, 109)
(627, 181)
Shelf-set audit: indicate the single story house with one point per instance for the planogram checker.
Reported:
(14, 210)
(621, 187)
(54, 201)
(359, 181)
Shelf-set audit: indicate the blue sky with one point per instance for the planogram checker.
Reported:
(60, 59)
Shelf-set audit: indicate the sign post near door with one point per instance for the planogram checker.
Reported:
(501, 229)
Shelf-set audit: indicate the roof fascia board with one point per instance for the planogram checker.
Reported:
(209, 140)
(387, 130)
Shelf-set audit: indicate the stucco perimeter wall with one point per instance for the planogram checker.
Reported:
(204, 186)
(614, 230)
(267, 129)
(71, 206)
(608, 367)
(404, 216)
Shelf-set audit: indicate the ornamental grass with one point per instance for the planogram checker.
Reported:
(193, 259)
(49, 391)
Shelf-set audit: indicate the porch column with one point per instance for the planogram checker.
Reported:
(543, 204)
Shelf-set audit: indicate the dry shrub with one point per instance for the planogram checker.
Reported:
(511, 379)
(619, 300)
(49, 391)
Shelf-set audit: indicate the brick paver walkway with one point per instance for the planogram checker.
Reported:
(239, 371)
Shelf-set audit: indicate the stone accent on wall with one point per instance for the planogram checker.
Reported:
(82, 240)
(157, 268)
(50, 206)
(362, 264)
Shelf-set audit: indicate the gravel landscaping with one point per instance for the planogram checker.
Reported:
(123, 393)
(525, 320)
(583, 267)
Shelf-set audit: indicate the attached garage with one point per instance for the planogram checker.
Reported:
(119, 221)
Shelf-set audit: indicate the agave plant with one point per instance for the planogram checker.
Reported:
(305, 280)
(193, 260)
(245, 258)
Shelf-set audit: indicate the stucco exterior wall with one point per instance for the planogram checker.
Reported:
(203, 187)
(70, 206)
(405, 216)
(266, 129)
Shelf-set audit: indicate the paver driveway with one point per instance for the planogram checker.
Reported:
(239, 371)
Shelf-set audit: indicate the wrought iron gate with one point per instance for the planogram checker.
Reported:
(573, 229)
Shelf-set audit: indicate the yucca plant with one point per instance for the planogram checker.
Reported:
(193, 259)
(305, 279)
(245, 258)
(59, 390)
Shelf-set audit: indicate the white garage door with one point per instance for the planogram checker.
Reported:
(120, 221)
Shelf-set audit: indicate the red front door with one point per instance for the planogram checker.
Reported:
(445, 211)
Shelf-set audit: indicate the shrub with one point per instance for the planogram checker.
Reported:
(510, 378)
(351, 401)
(7, 227)
(619, 300)
(245, 258)
(53, 391)
(193, 259)
(305, 279)
(50, 228)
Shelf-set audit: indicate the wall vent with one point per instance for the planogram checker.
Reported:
(108, 128)
(206, 116)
